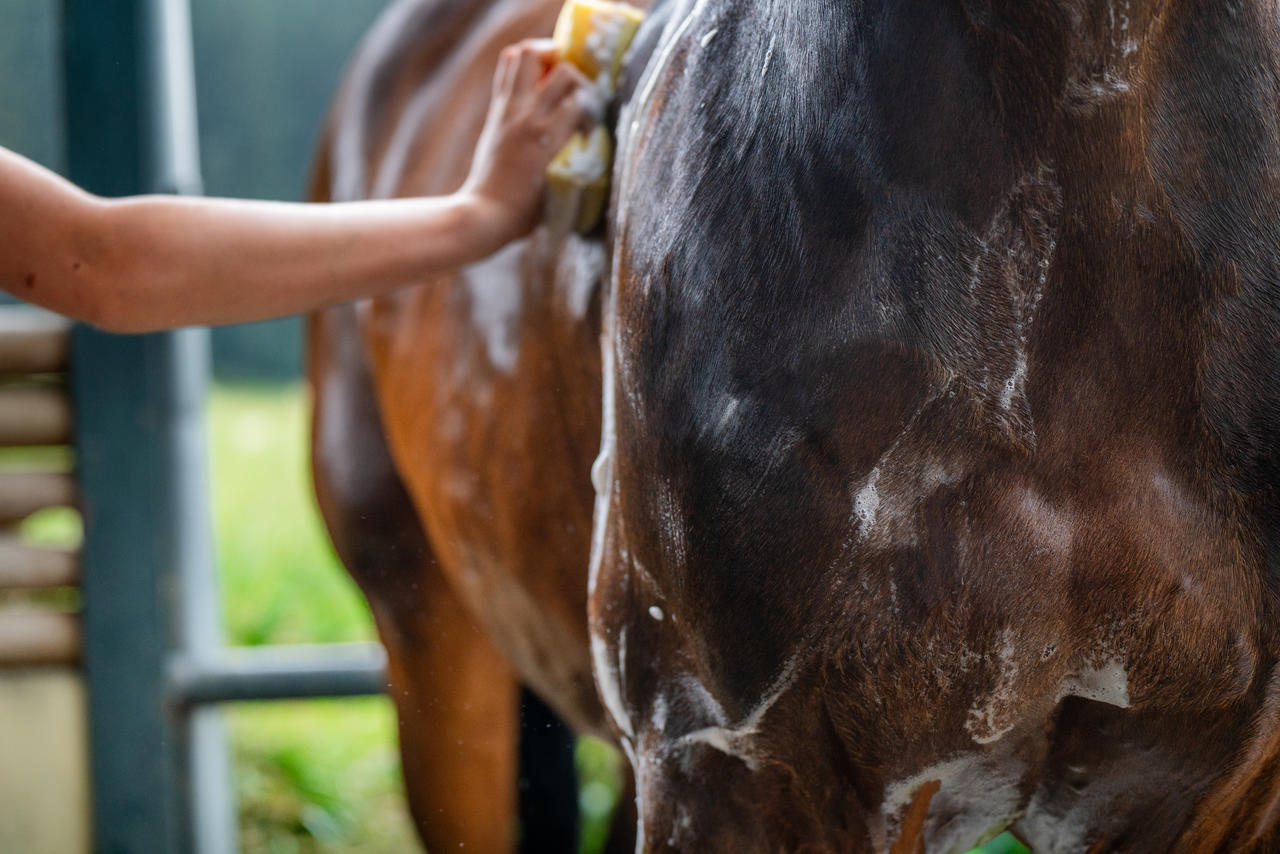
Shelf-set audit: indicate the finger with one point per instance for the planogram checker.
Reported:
(562, 122)
(564, 80)
(505, 74)
(529, 69)
(545, 50)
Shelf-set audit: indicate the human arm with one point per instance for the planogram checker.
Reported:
(154, 262)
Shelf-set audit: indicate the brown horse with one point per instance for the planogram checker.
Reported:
(454, 429)
(942, 429)
(937, 492)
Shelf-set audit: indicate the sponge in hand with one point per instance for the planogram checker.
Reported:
(594, 35)
(578, 182)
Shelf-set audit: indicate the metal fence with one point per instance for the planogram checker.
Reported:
(152, 651)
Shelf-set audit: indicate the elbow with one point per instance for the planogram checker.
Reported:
(106, 310)
(85, 270)
(103, 300)
(109, 287)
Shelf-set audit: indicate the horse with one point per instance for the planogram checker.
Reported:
(453, 431)
(937, 489)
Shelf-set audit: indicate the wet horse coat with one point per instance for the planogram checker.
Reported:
(454, 430)
(936, 493)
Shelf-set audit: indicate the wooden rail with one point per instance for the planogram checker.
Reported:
(34, 410)
(34, 416)
(31, 638)
(25, 493)
(27, 567)
(33, 342)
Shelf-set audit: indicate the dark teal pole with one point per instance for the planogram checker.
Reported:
(130, 129)
(106, 95)
(122, 388)
(120, 442)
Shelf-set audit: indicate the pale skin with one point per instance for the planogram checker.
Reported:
(157, 262)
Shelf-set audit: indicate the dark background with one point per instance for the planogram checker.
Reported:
(265, 71)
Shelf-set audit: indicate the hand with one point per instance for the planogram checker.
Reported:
(537, 104)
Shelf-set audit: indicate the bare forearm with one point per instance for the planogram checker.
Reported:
(164, 262)
(157, 262)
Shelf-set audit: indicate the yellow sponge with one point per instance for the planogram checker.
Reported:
(578, 182)
(594, 35)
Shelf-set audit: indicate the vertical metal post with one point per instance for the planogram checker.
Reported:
(205, 763)
(123, 391)
(159, 777)
(125, 487)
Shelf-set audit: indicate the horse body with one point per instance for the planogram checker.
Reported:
(454, 429)
(936, 489)
(935, 493)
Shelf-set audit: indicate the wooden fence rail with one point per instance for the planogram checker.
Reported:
(25, 493)
(32, 638)
(35, 410)
(27, 567)
(33, 342)
(34, 416)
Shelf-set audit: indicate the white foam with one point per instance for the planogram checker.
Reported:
(993, 717)
(659, 717)
(1106, 683)
(608, 680)
(768, 57)
(586, 260)
(1015, 384)
(736, 740)
(496, 303)
(975, 801)
(866, 504)
(602, 43)
(584, 164)
(600, 471)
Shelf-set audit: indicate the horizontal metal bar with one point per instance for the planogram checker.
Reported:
(280, 673)
(29, 638)
(26, 567)
(34, 416)
(25, 493)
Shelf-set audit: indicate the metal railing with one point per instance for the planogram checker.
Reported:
(151, 642)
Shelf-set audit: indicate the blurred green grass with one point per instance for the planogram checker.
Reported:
(316, 776)
(281, 582)
(323, 775)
